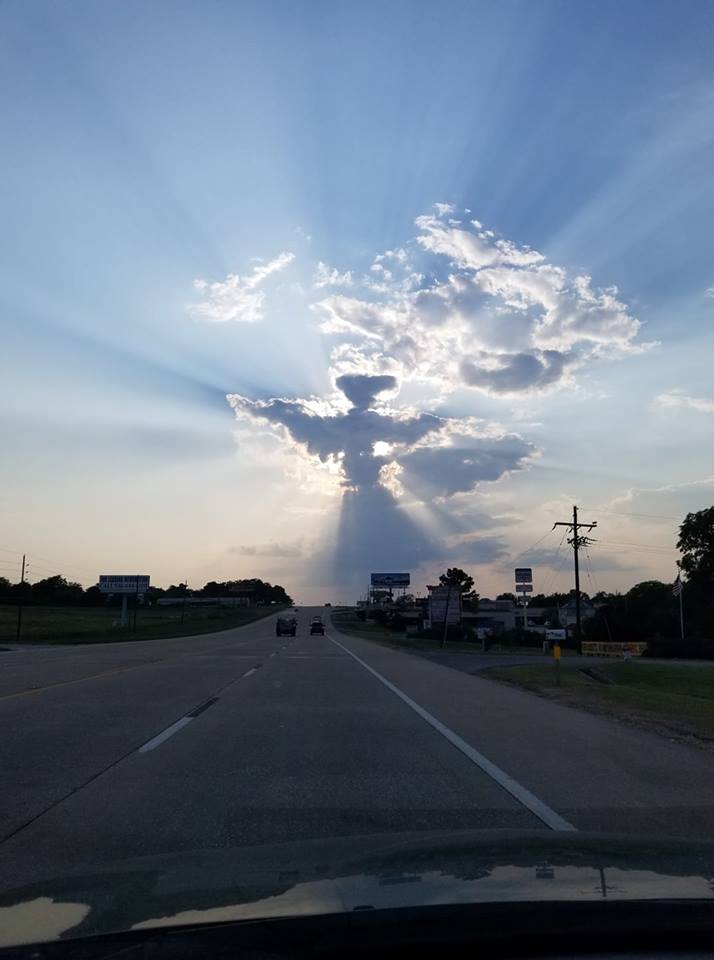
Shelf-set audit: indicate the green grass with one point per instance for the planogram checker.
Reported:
(346, 621)
(100, 624)
(679, 698)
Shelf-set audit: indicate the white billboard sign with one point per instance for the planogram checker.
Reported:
(555, 634)
(444, 605)
(524, 575)
(390, 579)
(123, 583)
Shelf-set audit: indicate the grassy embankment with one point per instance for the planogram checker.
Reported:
(676, 699)
(100, 624)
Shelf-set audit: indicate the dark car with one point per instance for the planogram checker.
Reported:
(317, 626)
(286, 626)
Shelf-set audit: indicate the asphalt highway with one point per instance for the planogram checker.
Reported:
(125, 750)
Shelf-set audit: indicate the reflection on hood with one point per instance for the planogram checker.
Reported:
(356, 873)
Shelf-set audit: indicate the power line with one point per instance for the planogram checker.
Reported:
(623, 513)
(532, 547)
(640, 546)
(590, 571)
(555, 570)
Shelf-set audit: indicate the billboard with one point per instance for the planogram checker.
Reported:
(439, 610)
(524, 575)
(389, 579)
(123, 583)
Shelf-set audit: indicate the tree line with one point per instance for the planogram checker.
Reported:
(57, 590)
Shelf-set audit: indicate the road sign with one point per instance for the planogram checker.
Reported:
(555, 634)
(390, 579)
(524, 575)
(123, 583)
(524, 587)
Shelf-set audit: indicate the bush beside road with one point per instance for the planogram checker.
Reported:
(79, 624)
(674, 699)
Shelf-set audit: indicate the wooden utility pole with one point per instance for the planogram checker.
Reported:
(20, 598)
(576, 541)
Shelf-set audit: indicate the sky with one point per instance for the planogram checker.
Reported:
(305, 290)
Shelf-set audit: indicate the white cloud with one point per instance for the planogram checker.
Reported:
(331, 277)
(709, 292)
(467, 308)
(237, 299)
(678, 400)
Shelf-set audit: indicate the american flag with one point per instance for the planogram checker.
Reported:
(677, 586)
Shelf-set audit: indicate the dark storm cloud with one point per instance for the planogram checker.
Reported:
(516, 371)
(361, 390)
(443, 471)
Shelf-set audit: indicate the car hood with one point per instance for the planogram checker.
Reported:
(355, 873)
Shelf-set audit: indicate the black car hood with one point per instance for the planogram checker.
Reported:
(349, 874)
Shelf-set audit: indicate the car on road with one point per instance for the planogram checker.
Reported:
(317, 626)
(286, 626)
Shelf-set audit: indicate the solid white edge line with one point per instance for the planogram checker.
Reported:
(520, 793)
(168, 732)
(248, 672)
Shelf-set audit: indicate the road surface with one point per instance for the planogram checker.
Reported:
(239, 738)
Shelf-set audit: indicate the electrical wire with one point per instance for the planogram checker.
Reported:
(555, 572)
(638, 546)
(623, 513)
(589, 571)
(532, 547)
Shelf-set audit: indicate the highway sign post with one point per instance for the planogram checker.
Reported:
(124, 584)
(524, 582)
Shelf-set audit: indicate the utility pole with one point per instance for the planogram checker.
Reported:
(446, 616)
(19, 599)
(184, 585)
(576, 542)
(136, 601)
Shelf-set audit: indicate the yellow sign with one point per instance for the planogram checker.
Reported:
(556, 651)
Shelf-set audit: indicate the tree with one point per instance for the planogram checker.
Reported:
(463, 582)
(56, 590)
(506, 596)
(407, 600)
(696, 544)
(455, 577)
(647, 610)
(257, 591)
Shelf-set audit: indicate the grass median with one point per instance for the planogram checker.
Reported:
(72, 624)
(676, 699)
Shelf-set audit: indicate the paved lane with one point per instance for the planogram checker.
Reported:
(296, 739)
(598, 774)
(306, 745)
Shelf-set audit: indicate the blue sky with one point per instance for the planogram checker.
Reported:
(152, 152)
